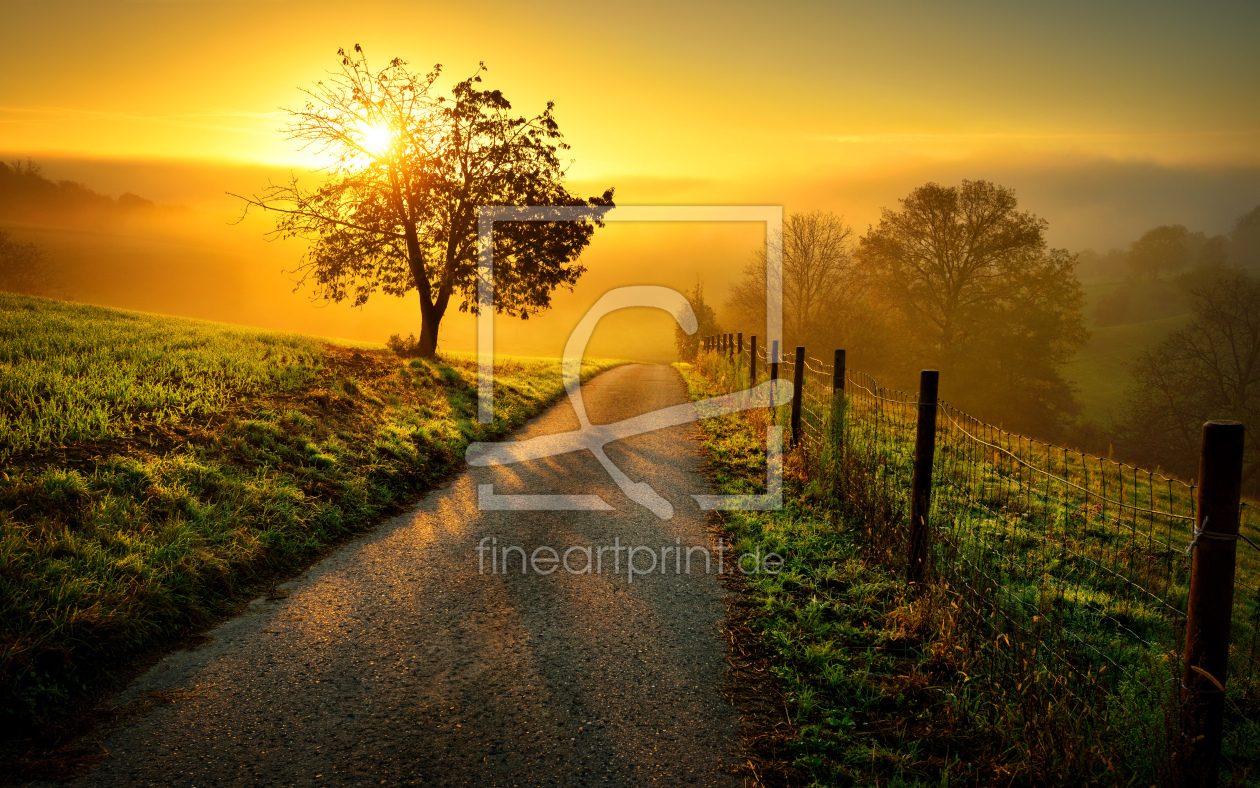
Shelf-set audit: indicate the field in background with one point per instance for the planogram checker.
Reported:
(156, 469)
(1101, 370)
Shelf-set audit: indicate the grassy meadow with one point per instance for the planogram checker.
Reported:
(156, 470)
(1101, 370)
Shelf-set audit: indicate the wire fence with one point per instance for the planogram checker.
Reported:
(1073, 567)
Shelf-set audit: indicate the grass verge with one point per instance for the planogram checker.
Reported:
(889, 687)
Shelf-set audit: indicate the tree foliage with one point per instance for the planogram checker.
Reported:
(398, 209)
(973, 289)
(1208, 370)
(1244, 246)
(24, 268)
(688, 345)
(823, 289)
(1159, 251)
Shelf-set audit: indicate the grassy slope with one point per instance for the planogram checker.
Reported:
(861, 680)
(886, 688)
(156, 469)
(1100, 370)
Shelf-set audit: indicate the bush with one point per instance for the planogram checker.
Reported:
(404, 348)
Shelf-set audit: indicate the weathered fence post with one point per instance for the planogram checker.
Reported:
(752, 360)
(774, 370)
(1209, 610)
(837, 398)
(730, 345)
(798, 380)
(921, 487)
(739, 343)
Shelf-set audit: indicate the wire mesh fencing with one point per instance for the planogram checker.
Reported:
(1070, 571)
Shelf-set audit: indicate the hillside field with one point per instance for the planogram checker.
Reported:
(155, 471)
(1101, 370)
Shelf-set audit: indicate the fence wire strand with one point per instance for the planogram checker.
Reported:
(1082, 556)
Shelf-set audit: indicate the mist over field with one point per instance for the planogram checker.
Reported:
(191, 254)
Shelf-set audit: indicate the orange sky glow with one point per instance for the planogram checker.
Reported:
(843, 106)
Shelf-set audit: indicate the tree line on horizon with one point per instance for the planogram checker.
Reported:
(958, 279)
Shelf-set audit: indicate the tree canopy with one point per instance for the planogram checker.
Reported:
(24, 268)
(1208, 370)
(823, 289)
(398, 209)
(1244, 249)
(1161, 250)
(971, 285)
(688, 345)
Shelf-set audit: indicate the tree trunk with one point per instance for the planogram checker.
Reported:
(429, 322)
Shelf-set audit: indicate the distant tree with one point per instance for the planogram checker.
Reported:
(1150, 290)
(978, 293)
(688, 345)
(1244, 241)
(1162, 250)
(398, 210)
(1208, 370)
(1208, 252)
(24, 268)
(1109, 266)
(823, 288)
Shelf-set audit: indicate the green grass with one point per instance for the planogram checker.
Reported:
(156, 470)
(1101, 370)
(1034, 657)
(862, 683)
(77, 373)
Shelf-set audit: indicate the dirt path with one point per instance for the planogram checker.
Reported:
(396, 661)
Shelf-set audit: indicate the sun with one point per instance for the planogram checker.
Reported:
(375, 139)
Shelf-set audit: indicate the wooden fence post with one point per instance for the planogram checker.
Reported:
(730, 345)
(739, 343)
(1209, 610)
(921, 487)
(798, 380)
(752, 360)
(837, 373)
(774, 369)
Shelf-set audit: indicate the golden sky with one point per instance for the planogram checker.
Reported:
(1107, 117)
(668, 90)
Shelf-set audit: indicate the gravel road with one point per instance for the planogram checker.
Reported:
(402, 660)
